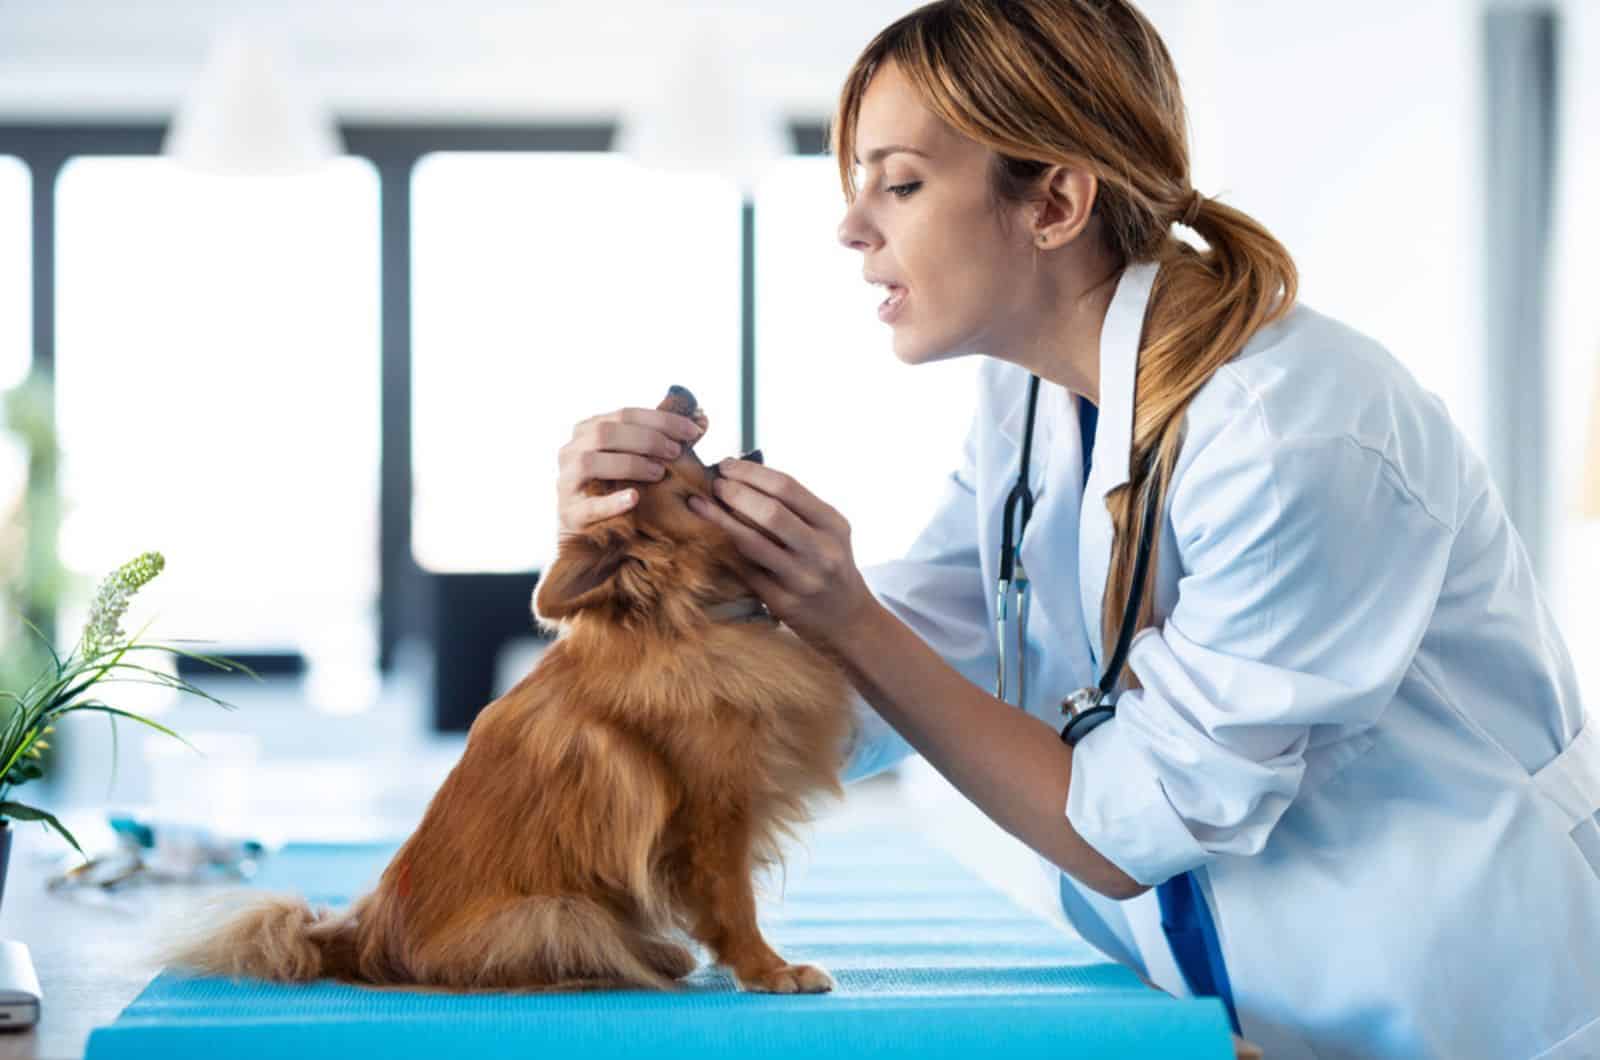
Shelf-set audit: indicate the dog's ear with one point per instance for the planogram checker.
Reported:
(580, 577)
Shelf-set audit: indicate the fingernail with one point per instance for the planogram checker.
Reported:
(676, 449)
(695, 504)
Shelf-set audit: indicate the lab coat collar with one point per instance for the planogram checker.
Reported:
(1119, 365)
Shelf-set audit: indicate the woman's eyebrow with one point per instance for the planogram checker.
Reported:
(878, 154)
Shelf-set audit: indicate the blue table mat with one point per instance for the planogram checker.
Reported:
(929, 961)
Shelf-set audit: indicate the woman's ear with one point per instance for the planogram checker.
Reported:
(1064, 209)
(581, 577)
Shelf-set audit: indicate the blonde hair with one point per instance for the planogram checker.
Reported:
(1090, 85)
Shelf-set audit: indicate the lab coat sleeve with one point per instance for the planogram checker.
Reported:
(937, 590)
(1309, 573)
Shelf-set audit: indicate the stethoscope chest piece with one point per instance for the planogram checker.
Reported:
(1084, 711)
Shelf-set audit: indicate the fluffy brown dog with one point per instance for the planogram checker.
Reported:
(625, 792)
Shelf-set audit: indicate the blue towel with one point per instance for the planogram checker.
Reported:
(930, 962)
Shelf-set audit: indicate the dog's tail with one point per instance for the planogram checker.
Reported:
(543, 943)
(278, 938)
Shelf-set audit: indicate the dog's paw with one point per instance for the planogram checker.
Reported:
(788, 979)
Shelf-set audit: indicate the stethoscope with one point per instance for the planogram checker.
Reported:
(1086, 708)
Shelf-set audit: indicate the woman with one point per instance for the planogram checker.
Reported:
(1348, 752)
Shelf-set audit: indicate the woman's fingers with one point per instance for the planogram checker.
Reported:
(750, 541)
(805, 570)
(795, 497)
(593, 509)
(766, 511)
(630, 445)
(619, 466)
(772, 593)
(631, 428)
(615, 436)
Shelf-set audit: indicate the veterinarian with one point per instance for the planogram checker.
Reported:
(1346, 763)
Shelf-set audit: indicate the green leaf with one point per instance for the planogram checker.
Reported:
(161, 676)
(59, 698)
(167, 680)
(103, 669)
(218, 661)
(17, 811)
(182, 686)
(40, 696)
(46, 640)
(16, 727)
(96, 705)
(22, 749)
(24, 771)
(112, 783)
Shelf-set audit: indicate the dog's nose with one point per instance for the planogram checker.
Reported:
(679, 400)
(754, 456)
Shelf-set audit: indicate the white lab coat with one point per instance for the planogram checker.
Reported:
(1359, 723)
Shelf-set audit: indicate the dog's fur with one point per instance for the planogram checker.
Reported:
(625, 793)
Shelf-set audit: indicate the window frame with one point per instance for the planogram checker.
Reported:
(407, 593)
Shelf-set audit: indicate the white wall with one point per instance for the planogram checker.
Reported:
(1573, 327)
(410, 59)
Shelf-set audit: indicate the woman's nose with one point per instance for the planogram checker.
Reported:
(853, 233)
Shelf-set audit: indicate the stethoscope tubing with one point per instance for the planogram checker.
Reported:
(1086, 708)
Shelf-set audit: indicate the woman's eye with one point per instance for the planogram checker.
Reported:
(901, 191)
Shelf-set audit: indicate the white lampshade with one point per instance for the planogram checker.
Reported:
(247, 115)
(709, 117)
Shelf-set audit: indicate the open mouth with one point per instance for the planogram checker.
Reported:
(890, 307)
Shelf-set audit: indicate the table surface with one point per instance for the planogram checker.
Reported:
(92, 948)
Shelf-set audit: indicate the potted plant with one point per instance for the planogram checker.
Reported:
(33, 581)
(73, 684)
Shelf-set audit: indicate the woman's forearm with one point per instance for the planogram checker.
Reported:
(1010, 764)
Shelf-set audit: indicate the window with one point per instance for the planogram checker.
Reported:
(549, 288)
(869, 435)
(16, 272)
(217, 374)
(16, 358)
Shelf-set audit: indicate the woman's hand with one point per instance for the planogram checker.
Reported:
(632, 445)
(810, 578)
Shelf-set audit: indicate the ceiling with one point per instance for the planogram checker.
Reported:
(488, 60)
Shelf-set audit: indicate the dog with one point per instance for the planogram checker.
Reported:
(616, 804)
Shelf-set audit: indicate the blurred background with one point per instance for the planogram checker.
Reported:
(306, 296)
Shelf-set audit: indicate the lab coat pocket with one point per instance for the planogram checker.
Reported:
(1571, 783)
